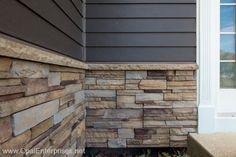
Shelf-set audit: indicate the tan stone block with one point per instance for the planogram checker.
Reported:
(18, 141)
(66, 99)
(149, 98)
(132, 81)
(110, 82)
(154, 123)
(26, 69)
(10, 82)
(152, 84)
(106, 87)
(127, 102)
(5, 64)
(184, 72)
(181, 85)
(35, 86)
(134, 123)
(101, 105)
(190, 96)
(41, 127)
(12, 90)
(128, 92)
(16, 105)
(182, 131)
(57, 68)
(6, 129)
(106, 74)
(131, 86)
(90, 81)
(60, 137)
(70, 76)
(173, 96)
(182, 123)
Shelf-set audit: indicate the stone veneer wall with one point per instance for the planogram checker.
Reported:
(41, 105)
(148, 108)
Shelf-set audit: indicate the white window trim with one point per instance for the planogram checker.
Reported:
(208, 42)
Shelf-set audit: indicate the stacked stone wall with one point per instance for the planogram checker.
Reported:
(147, 108)
(41, 106)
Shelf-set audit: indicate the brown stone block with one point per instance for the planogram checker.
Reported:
(184, 72)
(152, 84)
(173, 96)
(5, 64)
(35, 86)
(12, 90)
(42, 127)
(15, 105)
(66, 99)
(129, 92)
(70, 76)
(11, 96)
(101, 133)
(134, 142)
(18, 141)
(6, 129)
(101, 105)
(10, 82)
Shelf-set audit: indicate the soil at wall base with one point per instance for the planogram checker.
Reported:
(136, 152)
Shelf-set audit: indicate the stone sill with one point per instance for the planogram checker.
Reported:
(14, 49)
(144, 66)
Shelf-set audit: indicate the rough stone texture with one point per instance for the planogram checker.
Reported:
(26, 119)
(6, 129)
(35, 86)
(157, 108)
(38, 109)
(5, 64)
(29, 69)
(54, 79)
(152, 84)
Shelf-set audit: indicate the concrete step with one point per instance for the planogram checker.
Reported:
(212, 145)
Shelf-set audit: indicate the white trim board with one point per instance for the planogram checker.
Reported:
(208, 49)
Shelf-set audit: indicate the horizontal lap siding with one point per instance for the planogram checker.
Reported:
(55, 25)
(141, 30)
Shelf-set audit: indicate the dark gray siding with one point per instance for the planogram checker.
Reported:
(56, 25)
(141, 30)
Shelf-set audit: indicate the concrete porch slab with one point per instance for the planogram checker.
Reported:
(212, 145)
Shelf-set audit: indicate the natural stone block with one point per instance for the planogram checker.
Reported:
(27, 119)
(152, 84)
(18, 141)
(101, 104)
(41, 127)
(159, 104)
(96, 140)
(149, 98)
(131, 86)
(190, 96)
(154, 123)
(11, 96)
(101, 133)
(182, 131)
(107, 124)
(5, 64)
(25, 69)
(66, 99)
(10, 82)
(181, 85)
(184, 72)
(125, 133)
(54, 79)
(181, 123)
(59, 116)
(6, 129)
(127, 102)
(157, 73)
(69, 76)
(178, 138)
(79, 97)
(90, 81)
(136, 123)
(123, 113)
(100, 93)
(136, 75)
(110, 82)
(173, 96)
(128, 92)
(184, 104)
(73, 88)
(11, 90)
(60, 137)
(117, 143)
(35, 86)
(106, 74)
(15, 105)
